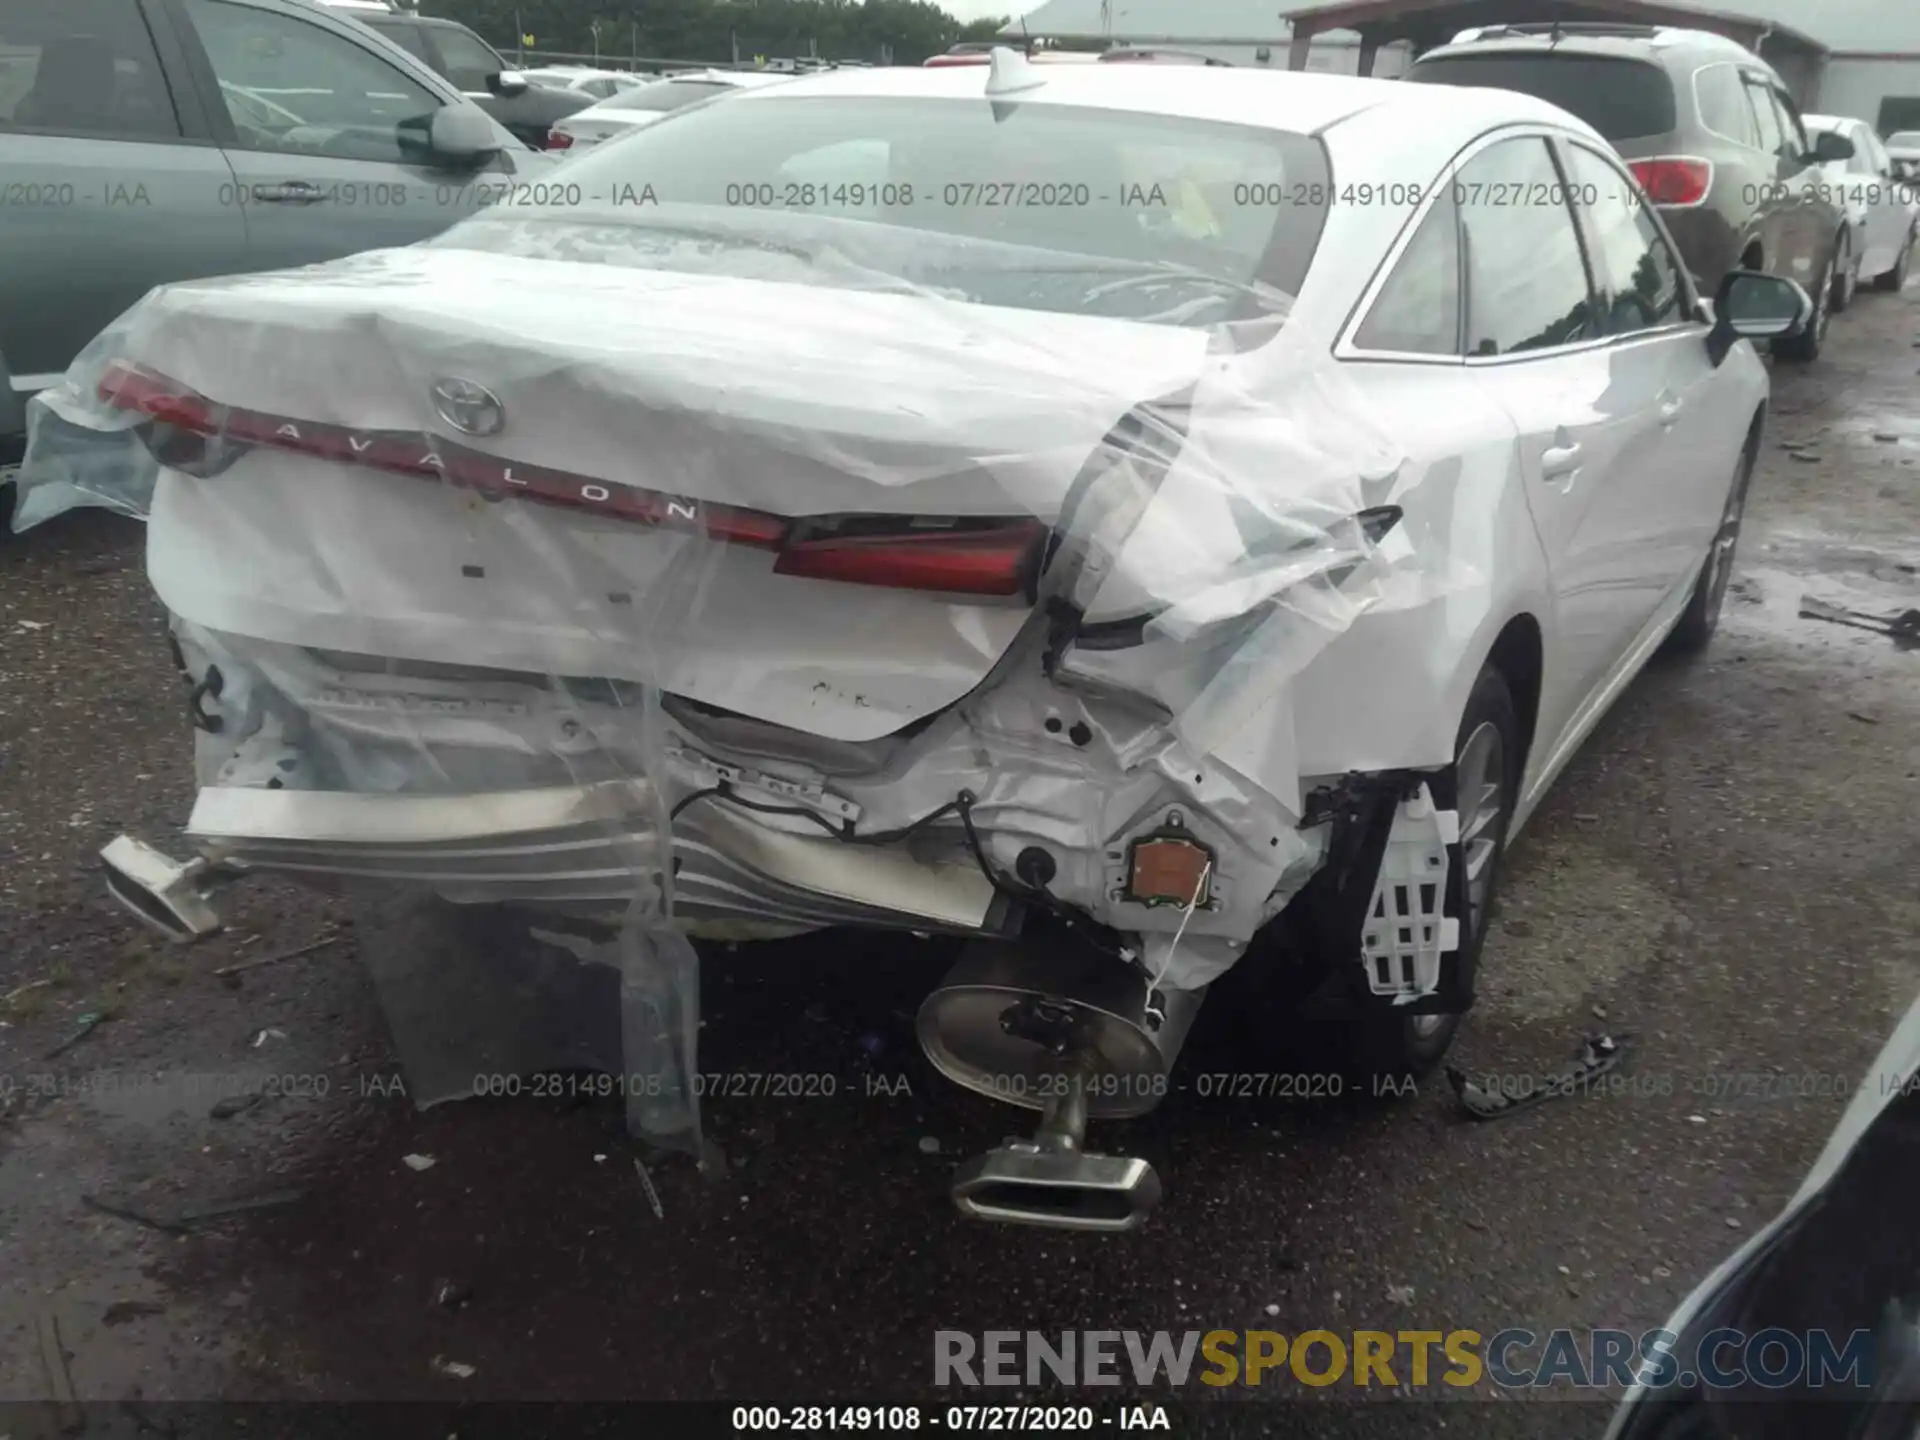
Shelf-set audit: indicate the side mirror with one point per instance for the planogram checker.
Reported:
(511, 82)
(461, 137)
(1828, 146)
(1752, 306)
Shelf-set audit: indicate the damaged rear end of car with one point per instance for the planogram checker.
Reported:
(689, 573)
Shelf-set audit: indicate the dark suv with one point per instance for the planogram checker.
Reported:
(526, 110)
(1706, 127)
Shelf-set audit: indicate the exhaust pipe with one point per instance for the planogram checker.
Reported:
(1049, 1180)
(1075, 1036)
(167, 895)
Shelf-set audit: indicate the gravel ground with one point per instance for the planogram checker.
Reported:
(1727, 870)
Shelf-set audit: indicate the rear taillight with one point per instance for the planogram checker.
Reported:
(992, 557)
(985, 557)
(559, 140)
(1677, 180)
(133, 387)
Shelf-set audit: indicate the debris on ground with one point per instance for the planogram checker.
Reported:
(1903, 629)
(268, 1201)
(121, 1311)
(1863, 719)
(19, 990)
(1597, 1055)
(234, 1105)
(418, 1162)
(88, 1023)
(228, 972)
(454, 1368)
(929, 1145)
(449, 1296)
(1400, 1294)
(646, 1184)
(266, 1035)
(137, 1217)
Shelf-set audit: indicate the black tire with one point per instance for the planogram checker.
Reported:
(1846, 274)
(1701, 618)
(1804, 348)
(1896, 278)
(1381, 1046)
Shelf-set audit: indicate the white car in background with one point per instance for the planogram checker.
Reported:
(641, 107)
(1028, 504)
(601, 84)
(1883, 209)
(1903, 148)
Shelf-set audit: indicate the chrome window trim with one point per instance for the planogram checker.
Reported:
(1345, 348)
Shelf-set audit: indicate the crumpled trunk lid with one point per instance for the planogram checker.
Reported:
(785, 399)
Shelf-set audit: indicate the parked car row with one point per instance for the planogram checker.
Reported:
(646, 104)
(145, 142)
(1741, 178)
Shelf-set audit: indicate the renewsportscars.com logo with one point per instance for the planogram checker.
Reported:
(1725, 1359)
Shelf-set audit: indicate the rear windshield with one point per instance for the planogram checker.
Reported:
(667, 95)
(1046, 207)
(1622, 99)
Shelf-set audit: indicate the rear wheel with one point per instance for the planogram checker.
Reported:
(1896, 278)
(1846, 273)
(1702, 615)
(1481, 786)
(1805, 347)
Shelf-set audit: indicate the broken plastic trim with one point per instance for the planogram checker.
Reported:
(990, 557)
(1131, 630)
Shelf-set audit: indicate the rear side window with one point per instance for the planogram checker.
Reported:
(1720, 94)
(81, 67)
(1622, 99)
(1417, 311)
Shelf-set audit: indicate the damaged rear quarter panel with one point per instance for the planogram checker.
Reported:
(1388, 693)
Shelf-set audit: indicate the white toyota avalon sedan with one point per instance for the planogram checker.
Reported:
(1162, 527)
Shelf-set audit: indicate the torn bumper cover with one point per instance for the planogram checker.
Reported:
(719, 604)
(579, 847)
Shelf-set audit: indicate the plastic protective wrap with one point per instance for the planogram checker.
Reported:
(817, 583)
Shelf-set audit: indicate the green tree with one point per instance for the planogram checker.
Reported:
(906, 31)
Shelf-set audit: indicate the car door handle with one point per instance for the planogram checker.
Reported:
(1559, 460)
(289, 192)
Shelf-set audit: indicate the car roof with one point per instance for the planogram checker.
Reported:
(1294, 100)
(1626, 43)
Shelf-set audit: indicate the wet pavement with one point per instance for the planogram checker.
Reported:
(1727, 870)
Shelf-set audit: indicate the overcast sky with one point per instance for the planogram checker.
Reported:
(982, 9)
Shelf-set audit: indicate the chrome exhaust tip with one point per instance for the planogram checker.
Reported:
(1026, 1183)
(167, 895)
(1051, 1180)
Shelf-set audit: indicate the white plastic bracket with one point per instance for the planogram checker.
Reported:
(1407, 931)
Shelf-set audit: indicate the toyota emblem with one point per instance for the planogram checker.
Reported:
(468, 406)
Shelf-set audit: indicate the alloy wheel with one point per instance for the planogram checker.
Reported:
(1726, 538)
(1481, 802)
